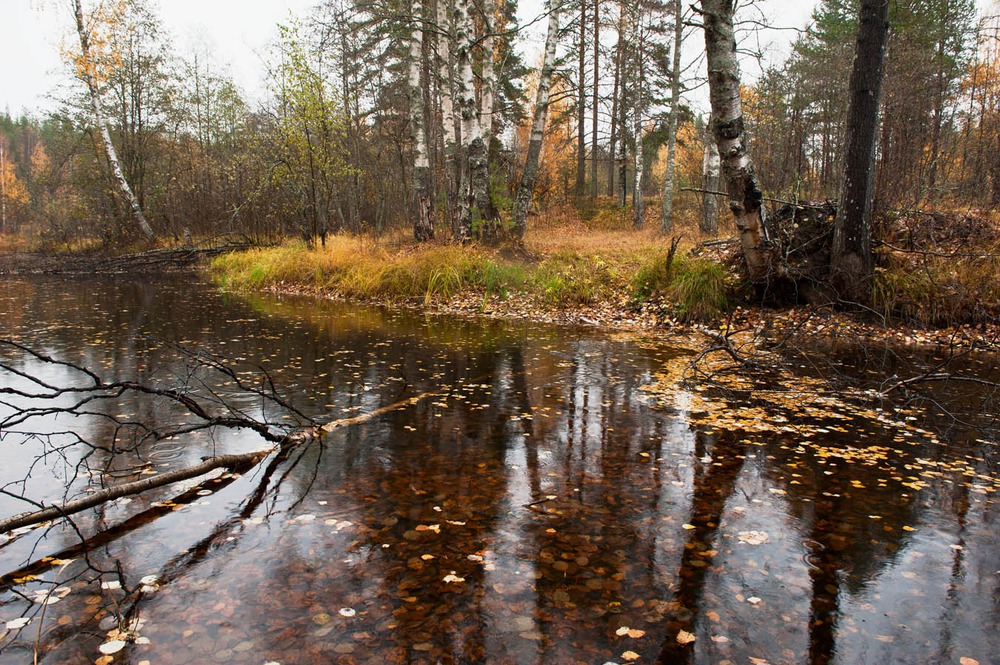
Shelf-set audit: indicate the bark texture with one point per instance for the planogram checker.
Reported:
(423, 220)
(710, 166)
(852, 262)
(667, 202)
(727, 122)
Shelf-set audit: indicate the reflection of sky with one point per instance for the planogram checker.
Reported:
(335, 526)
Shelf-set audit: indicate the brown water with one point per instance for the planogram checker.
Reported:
(540, 507)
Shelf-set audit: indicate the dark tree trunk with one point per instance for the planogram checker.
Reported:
(852, 262)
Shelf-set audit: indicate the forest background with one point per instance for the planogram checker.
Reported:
(368, 103)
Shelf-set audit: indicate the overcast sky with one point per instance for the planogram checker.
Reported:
(237, 31)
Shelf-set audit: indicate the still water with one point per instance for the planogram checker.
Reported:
(539, 502)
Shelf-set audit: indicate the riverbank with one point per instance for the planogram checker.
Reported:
(570, 272)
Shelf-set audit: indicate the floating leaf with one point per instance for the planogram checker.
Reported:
(753, 600)
(452, 577)
(114, 646)
(14, 624)
(685, 637)
(347, 612)
(630, 655)
(965, 660)
(753, 537)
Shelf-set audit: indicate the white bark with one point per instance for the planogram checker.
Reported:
(667, 202)
(727, 119)
(529, 174)
(710, 167)
(638, 205)
(447, 81)
(487, 94)
(86, 71)
(423, 225)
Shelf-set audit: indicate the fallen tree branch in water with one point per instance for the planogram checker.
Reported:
(125, 489)
(938, 376)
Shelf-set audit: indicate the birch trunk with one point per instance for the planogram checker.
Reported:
(530, 173)
(87, 73)
(727, 121)
(475, 202)
(638, 204)
(446, 83)
(581, 101)
(710, 165)
(423, 221)
(597, 81)
(667, 202)
(851, 260)
(491, 229)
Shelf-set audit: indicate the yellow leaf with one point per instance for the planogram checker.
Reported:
(685, 637)
(630, 655)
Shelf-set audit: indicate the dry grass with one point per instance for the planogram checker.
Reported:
(564, 262)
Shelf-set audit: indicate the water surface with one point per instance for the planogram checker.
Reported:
(539, 504)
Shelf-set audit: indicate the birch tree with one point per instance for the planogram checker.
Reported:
(667, 204)
(423, 222)
(638, 204)
(445, 86)
(745, 196)
(475, 204)
(88, 72)
(710, 165)
(529, 175)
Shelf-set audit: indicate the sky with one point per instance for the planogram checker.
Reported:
(239, 33)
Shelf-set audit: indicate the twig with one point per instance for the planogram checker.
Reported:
(940, 376)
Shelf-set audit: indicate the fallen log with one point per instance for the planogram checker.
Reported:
(75, 506)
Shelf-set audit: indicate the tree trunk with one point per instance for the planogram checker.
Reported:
(581, 101)
(446, 82)
(727, 120)
(638, 161)
(615, 93)
(667, 202)
(594, 119)
(423, 220)
(852, 262)
(710, 165)
(530, 173)
(475, 201)
(86, 70)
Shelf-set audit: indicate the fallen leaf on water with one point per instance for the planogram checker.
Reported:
(347, 612)
(114, 646)
(630, 655)
(622, 631)
(685, 637)
(753, 537)
(965, 660)
(14, 624)
(753, 600)
(427, 557)
(720, 639)
(688, 526)
(635, 633)
(452, 577)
